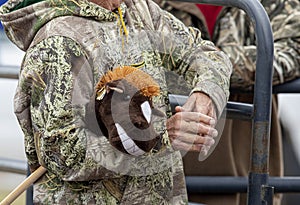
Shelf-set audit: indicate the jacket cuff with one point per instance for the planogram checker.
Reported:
(215, 92)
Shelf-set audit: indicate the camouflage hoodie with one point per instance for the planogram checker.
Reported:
(69, 44)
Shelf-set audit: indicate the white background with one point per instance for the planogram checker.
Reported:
(11, 138)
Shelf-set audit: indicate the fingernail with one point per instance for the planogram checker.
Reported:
(210, 142)
(203, 152)
(212, 122)
(214, 133)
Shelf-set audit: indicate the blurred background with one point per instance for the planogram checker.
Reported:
(11, 146)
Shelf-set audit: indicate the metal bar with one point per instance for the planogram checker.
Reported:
(231, 185)
(13, 166)
(10, 72)
(216, 185)
(234, 110)
(292, 86)
(268, 192)
(241, 111)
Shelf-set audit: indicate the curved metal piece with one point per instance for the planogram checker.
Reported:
(265, 52)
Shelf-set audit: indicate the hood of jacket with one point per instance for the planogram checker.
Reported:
(22, 19)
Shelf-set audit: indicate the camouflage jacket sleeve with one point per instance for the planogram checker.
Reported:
(204, 67)
(235, 36)
(60, 99)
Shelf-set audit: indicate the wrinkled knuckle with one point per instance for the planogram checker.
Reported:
(176, 133)
(177, 116)
(177, 124)
(200, 128)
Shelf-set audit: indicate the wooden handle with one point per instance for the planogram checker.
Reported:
(23, 186)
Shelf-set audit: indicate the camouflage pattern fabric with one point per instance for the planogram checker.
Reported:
(69, 45)
(235, 35)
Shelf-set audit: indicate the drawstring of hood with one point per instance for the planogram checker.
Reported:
(122, 21)
(122, 26)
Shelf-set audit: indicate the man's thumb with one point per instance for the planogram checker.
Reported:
(179, 109)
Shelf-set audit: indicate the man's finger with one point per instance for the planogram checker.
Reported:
(192, 138)
(195, 117)
(175, 126)
(179, 145)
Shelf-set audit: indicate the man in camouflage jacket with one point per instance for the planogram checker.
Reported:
(234, 34)
(69, 44)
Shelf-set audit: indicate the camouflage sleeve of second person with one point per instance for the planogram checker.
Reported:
(235, 35)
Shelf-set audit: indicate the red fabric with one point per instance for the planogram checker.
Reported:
(210, 13)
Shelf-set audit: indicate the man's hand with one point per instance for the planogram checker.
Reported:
(192, 127)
